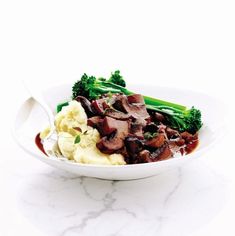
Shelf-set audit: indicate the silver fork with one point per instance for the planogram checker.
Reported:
(50, 143)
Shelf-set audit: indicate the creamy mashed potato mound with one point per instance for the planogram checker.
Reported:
(67, 122)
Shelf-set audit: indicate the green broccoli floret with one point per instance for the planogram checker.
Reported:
(178, 116)
(189, 120)
(181, 120)
(81, 87)
(193, 119)
(92, 88)
(116, 78)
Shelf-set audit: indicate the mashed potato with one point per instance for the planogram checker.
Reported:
(85, 151)
(69, 117)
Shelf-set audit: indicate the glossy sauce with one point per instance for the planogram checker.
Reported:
(187, 149)
(190, 147)
(39, 144)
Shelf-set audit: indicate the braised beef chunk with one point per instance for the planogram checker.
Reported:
(109, 125)
(97, 106)
(113, 132)
(126, 127)
(94, 121)
(86, 105)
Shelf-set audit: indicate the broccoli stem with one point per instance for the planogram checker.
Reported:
(149, 101)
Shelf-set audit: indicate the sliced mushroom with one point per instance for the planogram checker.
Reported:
(116, 114)
(86, 105)
(110, 146)
(156, 142)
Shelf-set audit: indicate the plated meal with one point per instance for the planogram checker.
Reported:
(104, 123)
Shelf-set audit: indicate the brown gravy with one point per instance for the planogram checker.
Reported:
(189, 148)
(39, 144)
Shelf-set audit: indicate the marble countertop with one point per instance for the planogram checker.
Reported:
(180, 201)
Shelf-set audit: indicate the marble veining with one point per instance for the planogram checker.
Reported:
(108, 200)
(175, 187)
(178, 201)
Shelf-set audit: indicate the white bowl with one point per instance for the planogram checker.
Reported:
(31, 119)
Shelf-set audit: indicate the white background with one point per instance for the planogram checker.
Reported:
(189, 44)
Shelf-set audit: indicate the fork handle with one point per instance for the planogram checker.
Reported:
(37, 95)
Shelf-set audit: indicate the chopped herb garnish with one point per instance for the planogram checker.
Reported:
(149, 135)
(77, 139)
